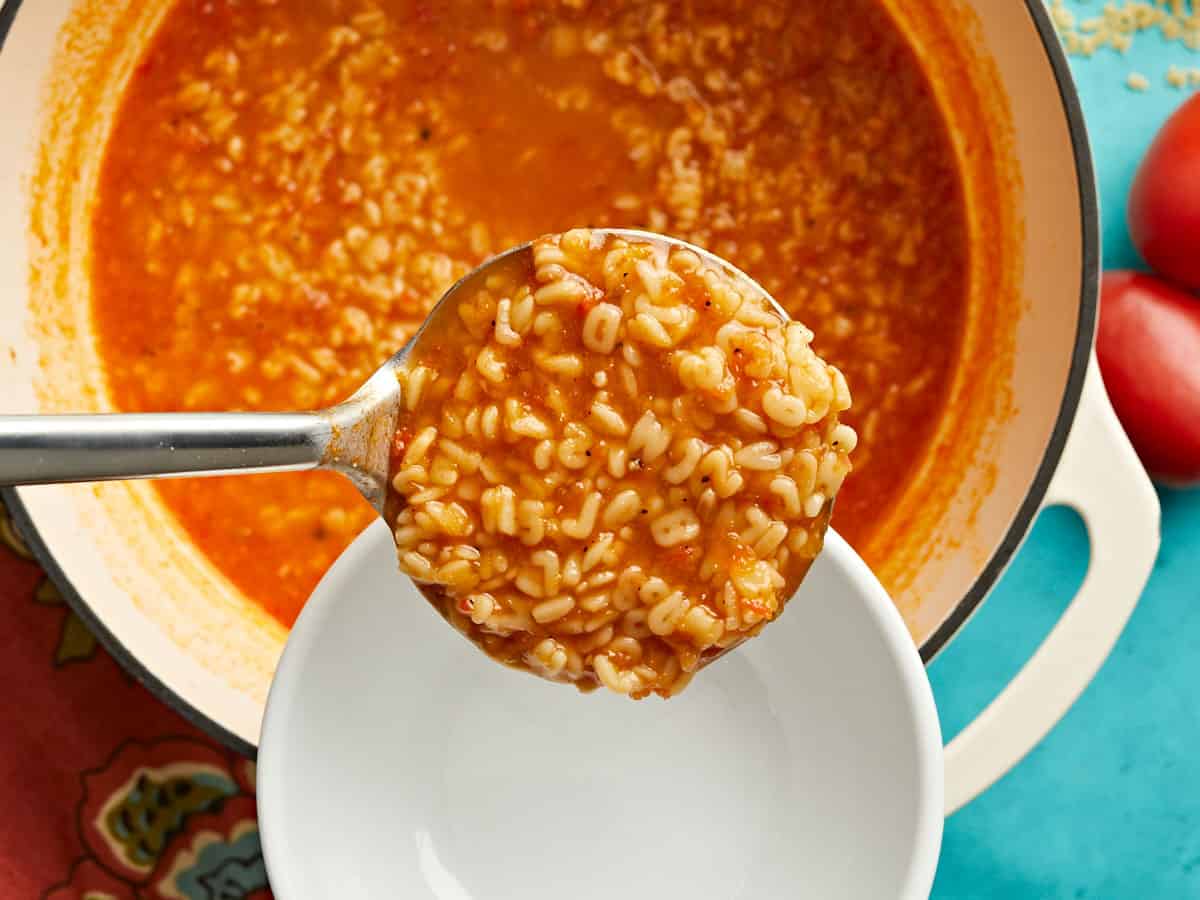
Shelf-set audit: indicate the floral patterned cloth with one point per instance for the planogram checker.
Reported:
(106, 793)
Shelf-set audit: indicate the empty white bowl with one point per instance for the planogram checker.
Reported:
(397, 761)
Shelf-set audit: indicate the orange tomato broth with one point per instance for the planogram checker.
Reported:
(869, 248)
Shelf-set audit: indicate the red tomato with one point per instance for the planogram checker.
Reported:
(1148, 344)
(1164, 204)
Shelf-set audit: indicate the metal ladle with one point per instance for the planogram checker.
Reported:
(352, 438)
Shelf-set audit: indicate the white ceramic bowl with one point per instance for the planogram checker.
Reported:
(397, 761)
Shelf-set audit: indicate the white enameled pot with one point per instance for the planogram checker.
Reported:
(182, 628)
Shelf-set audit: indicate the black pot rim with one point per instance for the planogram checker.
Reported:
(1089, 223)
(963, 610)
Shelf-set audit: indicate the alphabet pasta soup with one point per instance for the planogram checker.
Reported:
(288, 188)
(615, 462)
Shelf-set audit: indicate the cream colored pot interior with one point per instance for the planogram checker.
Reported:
(189, 630)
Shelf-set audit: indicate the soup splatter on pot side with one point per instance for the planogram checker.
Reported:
(289, 187)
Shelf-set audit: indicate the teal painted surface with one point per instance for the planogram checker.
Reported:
(1109, 805)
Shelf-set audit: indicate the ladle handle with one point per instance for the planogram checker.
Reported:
(57, 449)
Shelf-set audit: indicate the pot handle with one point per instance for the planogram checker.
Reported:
(1101, 478)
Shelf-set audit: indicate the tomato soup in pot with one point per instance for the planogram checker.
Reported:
(287, 189)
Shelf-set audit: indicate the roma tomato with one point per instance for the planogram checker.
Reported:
(1148, 345)
(1164, 204)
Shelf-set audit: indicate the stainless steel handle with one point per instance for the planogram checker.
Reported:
(56, 449)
